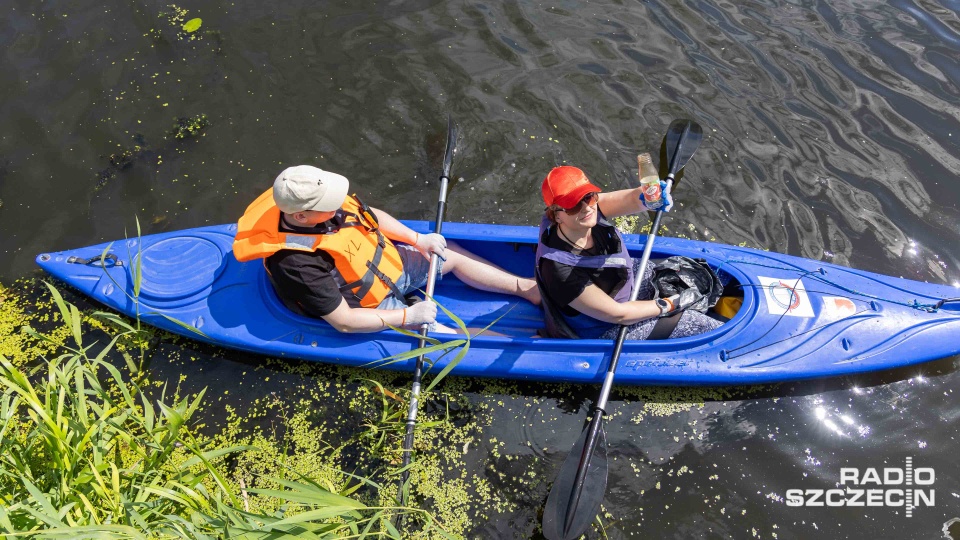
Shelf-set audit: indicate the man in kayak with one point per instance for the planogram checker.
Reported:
(585, 273)
(330, 256)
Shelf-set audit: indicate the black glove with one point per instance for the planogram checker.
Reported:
(678, 302)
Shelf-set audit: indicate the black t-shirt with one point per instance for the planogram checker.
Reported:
(563, 283)
(305, 278)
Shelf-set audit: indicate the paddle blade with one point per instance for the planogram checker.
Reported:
(679, 144)
(451, 148)
(594, 486)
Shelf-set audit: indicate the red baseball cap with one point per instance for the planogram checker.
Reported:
(565, 186)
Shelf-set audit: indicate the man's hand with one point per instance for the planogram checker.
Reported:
(424, 312)
(432, 243)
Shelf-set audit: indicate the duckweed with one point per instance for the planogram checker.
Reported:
(187, 127)
(342, 426)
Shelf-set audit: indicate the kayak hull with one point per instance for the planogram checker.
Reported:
(799, 318)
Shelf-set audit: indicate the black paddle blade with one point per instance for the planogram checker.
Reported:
(679, 144)
(594, 486)
(451, 146)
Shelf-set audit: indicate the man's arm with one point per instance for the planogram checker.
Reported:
(398, 232)
(361, 320)
(393, 229)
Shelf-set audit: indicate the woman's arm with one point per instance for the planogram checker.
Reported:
(595, 303)
(621, 203)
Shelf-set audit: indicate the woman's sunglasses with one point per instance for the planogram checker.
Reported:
(590, 199)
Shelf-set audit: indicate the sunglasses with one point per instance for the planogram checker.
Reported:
(590, 199)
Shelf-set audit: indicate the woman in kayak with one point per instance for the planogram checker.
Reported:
(330, 256)
(585, 273)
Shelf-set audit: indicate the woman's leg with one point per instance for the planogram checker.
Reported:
(693, 323)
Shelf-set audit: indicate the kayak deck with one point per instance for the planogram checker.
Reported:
(799, 319)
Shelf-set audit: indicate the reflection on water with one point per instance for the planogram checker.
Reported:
(833, 132)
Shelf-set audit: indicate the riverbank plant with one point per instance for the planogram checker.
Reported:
(87, 451)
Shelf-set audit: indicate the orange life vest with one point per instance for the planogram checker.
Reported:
(367, 263)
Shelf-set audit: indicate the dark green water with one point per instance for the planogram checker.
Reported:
(834, 134)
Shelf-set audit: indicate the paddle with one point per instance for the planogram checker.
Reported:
(575, 497)
(431, 281)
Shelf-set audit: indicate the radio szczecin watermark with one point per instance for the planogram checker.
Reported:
(891, 487)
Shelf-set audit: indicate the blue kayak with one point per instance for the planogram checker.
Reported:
(797, 318)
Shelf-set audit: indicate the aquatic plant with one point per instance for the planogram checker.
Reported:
(177, 18)
(121, 160)
(186, 127)
(192, 25)
(85, 451)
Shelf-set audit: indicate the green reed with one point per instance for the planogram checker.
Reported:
(86, 452)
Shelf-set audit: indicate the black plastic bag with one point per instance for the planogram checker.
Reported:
(675, 274)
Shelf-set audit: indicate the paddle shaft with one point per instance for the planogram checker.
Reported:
(644, 260)
(596, 423)
(424, 330)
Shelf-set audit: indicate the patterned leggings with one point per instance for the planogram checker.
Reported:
(691, 323)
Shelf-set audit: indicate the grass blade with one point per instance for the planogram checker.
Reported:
(446, 369)
(61, 304)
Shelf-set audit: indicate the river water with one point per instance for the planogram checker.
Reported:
(833, 132)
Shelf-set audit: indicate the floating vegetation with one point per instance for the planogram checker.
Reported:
(185, 29)
(182, 29)
(630, 224)
(217, 40)
(186, 127)
(296, 420)
(192, 25)
(89, 448)
(121, 160)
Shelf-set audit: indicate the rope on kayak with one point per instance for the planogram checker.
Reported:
(724, 354)
(929, 308)
(817, 274)
(109, 257)
(946, 301)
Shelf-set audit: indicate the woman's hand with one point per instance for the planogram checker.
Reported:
(678, 302)
(666, 199)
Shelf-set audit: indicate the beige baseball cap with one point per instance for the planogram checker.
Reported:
(305, 187)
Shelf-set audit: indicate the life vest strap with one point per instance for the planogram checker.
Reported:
(373, 271)
(387, 281)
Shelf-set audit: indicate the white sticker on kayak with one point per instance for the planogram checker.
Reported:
(786, 297)
(838, 307)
